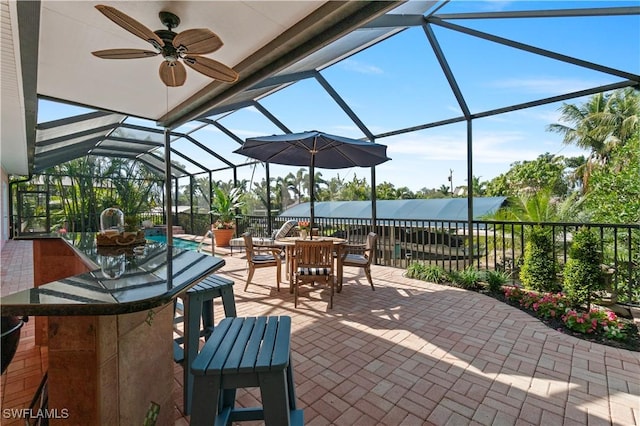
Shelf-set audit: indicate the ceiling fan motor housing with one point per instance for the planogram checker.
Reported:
(169, 52)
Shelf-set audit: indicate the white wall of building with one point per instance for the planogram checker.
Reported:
(4, 209)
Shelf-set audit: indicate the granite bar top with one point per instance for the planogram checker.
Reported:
(120, 281)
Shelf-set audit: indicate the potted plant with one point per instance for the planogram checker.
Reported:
(224, 207)
(131, 224)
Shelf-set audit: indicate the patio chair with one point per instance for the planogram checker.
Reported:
(285, 230)
(313, 261)
(359, 256)
(261, 257)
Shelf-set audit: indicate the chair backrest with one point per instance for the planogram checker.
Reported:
(285, 229)
(314, 254)
(248, 244)
(370, 246)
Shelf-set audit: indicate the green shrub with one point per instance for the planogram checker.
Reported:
(468, 279)
(496, 279)
(422, 271)
(538, 270)
(582, 273)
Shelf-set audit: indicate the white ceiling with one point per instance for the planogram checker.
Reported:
(70, 31)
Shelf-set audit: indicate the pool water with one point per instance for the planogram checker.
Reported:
(177, 242)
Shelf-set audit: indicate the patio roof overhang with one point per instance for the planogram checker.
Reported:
(51, 41)
(273, 46)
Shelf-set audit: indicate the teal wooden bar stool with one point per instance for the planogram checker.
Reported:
(246, 352)
(197, 306)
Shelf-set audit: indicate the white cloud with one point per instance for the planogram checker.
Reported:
(488, 147)
(360, 67)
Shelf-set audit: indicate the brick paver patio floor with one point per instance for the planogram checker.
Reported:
(409, 353)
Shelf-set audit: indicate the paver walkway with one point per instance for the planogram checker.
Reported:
(414, 353)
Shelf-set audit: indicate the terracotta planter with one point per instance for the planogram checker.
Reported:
(223, 236)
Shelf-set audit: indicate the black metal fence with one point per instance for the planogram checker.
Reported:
(495, 245)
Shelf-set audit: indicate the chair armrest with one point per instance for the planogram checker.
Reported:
(348, 248)
(275, 250)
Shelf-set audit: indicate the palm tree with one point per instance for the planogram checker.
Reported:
(602, 122)
(478, 186)
(444, 190)
(333, 189)
(298, 181)
(282, 194)
(385, 191)
(540, 207)
(624, 112)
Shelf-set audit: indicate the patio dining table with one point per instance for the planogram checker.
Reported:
(290, 242)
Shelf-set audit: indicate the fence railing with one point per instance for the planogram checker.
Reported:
(495, 245)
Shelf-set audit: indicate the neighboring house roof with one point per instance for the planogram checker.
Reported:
(416, 209)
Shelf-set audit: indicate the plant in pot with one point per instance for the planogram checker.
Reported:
(133, 233)
(224, 207)
(132, 224)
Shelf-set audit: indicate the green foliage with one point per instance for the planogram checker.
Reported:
(422, 271)
(527, 177)
(387, 191)
(356, 190)
(132, 223)
(538, 271)
(604, 123)
(201, 223)
(614, 188)
(225, 207)
(496, 279)
(86, 186)
(469, 278)
(541, 206)
(582, 273)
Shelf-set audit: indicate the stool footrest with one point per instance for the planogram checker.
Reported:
(229, 414)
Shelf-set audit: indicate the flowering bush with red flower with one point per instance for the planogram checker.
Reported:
(554, 305)
(594, 321)
(304, 225)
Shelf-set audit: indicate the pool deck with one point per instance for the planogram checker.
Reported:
(408, 353)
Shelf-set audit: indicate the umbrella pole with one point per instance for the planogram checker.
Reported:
(311, 195)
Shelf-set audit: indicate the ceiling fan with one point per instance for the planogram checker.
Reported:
(187, 46)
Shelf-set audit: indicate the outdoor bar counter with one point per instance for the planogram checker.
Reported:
(106, 315)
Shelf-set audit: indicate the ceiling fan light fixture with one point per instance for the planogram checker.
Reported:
(172, 46)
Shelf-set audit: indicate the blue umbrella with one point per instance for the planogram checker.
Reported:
(314, 149)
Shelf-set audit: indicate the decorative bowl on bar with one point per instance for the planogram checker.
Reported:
(112, 230)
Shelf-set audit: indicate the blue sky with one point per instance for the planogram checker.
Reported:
(398, 83)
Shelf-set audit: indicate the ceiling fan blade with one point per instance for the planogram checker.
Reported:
(198, 41)
(173, 74)
(124, 53)
(130, 24)
(211, 68)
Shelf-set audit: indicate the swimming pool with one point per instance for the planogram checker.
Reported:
(177, 242)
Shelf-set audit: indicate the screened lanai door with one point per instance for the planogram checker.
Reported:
(33, 213)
